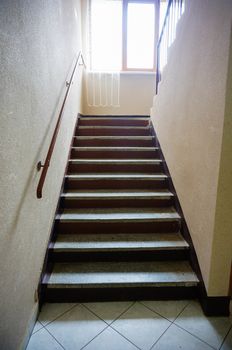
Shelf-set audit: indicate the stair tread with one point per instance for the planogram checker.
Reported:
(115, 118)
(114, 137)
(112, 148)
(115, 274)
(118, 214)
(113, 161)
(116, 194)
(113, 127)
(94, 176)
(119, 241)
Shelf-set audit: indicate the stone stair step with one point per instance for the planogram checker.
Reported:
(114, 152)
(118, 215)
(113, 220)
(122, 274)
(118, 247)
(115, 180)
(103, 194)
(111, 141)
(115, 161)
(113, 121)
(115, 165)
(113, 131)
(116, 198)
(119, 242)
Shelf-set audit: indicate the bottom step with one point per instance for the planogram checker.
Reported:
(120, 281)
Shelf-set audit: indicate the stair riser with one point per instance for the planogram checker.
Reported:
(101, 168)
(115, 227)
(141, 255)
(112, 132)
(112, 184)
(112, 122)
(77, 154)
(74, 295)
(115, 203)
(113, 143)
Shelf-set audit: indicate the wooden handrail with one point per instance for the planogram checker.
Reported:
(55, 133)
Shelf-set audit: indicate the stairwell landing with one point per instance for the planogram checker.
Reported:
(117, 234)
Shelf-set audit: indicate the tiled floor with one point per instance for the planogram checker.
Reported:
(156, 325)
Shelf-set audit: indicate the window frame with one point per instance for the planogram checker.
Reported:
(124, 66)
(124, 34)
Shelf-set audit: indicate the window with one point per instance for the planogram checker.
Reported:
(106, 35)
(123, 34)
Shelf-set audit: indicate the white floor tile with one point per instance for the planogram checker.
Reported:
(210, 329)
(108, 311)
(110, 340)
(141, 326)
(37, 327)
(227, 345)
(43, 340)
(53, 310)
(76, 327)
(175, 338)
(169, 309)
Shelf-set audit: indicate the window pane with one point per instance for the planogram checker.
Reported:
(106, 34)
(140, 35)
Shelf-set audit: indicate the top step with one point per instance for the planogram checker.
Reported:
(114, 121)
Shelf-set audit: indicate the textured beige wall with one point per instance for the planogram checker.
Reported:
(188, 115)
(38, 41)
(222, 244)
(135, 98)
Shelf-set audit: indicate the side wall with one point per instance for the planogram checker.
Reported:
(39, 42)
(222, 243)
(188, 115)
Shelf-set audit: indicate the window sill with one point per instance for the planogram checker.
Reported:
(137, 72)
(124, 72)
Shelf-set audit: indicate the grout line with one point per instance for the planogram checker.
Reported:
(133, 302)
(157, 313)
(187, 330)
(141, 302)
(225, 337)
(109, 324)
(63, 313)
(114, 329)
(94, 313)
(195, 336)
(172, 322)
(80, 304)
(94, 337)
(160, 337)
(55, 338)
(181, 311)
(42, 326)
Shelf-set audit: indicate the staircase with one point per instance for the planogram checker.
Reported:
(117, 234)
